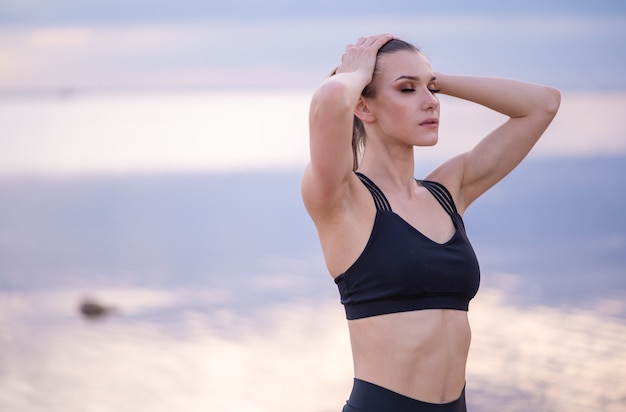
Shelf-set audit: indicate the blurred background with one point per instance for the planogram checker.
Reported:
(154, 252)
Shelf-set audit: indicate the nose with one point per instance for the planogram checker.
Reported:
(431, 102)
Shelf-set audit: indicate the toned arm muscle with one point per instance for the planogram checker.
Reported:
(327, 178)
(330, 131)
(530, 108)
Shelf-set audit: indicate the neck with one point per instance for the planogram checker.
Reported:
(389, 168)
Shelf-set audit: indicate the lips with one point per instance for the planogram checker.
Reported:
(431, 122)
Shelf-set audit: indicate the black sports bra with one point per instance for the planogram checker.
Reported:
(402, 270)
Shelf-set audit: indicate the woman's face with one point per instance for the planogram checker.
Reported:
(404, 108)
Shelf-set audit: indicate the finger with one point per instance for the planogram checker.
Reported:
(374, 41)
(361, 41)
(368, 41)
(383, 38)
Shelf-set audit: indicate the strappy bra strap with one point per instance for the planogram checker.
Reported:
(380, 200)
(442, 195)
(438, 190)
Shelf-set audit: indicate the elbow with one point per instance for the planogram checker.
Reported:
(332, 94)
(551, 101)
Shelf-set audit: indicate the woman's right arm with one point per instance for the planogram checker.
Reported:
(327, 178)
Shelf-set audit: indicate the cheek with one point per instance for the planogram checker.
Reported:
(395, 108)
(395, 111)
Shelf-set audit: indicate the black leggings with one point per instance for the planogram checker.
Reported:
(368, 397)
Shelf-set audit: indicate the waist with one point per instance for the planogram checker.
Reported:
(420, 354)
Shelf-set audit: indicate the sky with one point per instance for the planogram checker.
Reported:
(277, 51)
(69, 45)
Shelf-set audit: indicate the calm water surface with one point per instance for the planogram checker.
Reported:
(156, 354)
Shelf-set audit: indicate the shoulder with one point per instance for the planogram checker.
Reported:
(450, 175)
(326, 203)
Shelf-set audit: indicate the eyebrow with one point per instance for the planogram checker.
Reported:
(414, 78)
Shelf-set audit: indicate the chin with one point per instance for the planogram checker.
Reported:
(427, 143)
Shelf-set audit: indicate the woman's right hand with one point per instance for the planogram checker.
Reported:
(361, 56)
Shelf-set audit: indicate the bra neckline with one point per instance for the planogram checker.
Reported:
(383, 205)
(405, 222)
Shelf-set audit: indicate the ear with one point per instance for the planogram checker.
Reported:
(363, 112)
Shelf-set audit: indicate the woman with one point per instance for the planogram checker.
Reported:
(396, 246)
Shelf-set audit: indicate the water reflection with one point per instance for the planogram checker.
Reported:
(171, 350)
(547, 359)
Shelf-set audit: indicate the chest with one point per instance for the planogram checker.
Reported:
(425, 215)
(401, 261)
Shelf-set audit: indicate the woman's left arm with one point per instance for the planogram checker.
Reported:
(530, 108)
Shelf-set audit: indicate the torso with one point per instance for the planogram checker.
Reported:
(421, 354)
